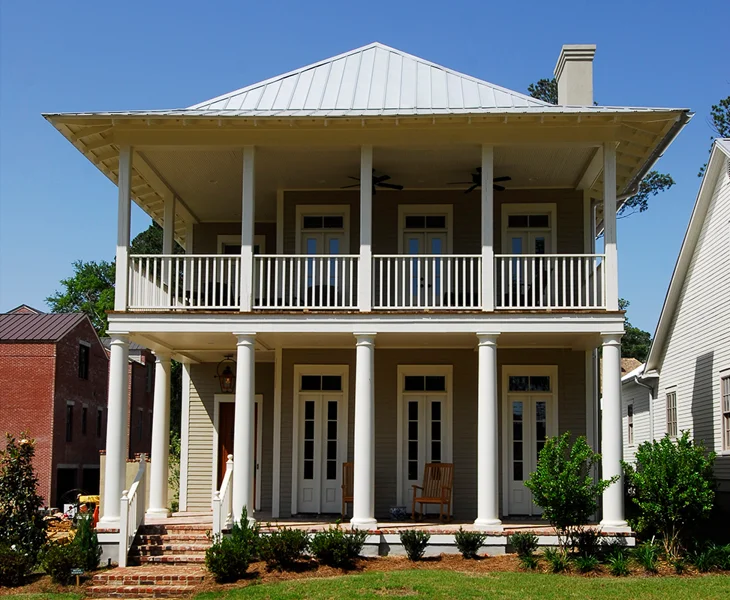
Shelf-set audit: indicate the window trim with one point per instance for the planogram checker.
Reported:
(630, 423)
(258, 240)
(302, 210)
(725, 440)
(409, 210)
(84, 418)
(667, 393)
(87, 345)
(519, 208)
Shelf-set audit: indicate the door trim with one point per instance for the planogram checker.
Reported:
(552, 424)
(322, 209)
(217, 399)
(299, 370)
(518, 208)
(448, 453)
(426, 209)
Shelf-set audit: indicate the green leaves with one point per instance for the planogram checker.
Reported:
(545, 90)
(636, 342)
(653, 184)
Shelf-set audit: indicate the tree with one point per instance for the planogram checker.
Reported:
(21, 525)
(719, 123)
(673, 486)
(653, 183)
(90, 290)
(636, 342)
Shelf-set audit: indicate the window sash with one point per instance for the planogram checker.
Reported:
(672, 414)
(630, 421)
(725, 407)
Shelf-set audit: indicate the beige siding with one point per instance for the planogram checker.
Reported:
(699, 339)
(638, 397)
(205, 236)
(203, 387)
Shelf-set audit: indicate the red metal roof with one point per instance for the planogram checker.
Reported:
(21, 327)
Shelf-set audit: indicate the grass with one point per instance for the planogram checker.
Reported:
(453, 585)
(41, 596)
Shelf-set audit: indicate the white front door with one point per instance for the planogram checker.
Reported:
(530, 407)
(322, 443)
(425, 417)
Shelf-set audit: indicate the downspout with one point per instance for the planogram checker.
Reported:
(637, 381)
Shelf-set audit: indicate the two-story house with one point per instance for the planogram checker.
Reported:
(387, 263)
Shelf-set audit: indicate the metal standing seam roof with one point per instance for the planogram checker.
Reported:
(37, 328)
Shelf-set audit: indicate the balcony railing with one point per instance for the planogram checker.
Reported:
(549, 281)
(399, 282)
(424, 282)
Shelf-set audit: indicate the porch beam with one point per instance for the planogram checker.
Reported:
(365, 269)
(487, 202)
(124, 205)
(609, 224)
(243, 440)
(247, 229)
(160, 451)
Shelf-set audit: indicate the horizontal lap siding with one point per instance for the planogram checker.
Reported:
(638, 397)
(698, 349)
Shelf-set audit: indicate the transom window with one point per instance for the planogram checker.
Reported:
(529, 383)
(529, 221)
(321, 383)
(725, 397)
(672, 414)
(323, 222)
(424, 383)
(425, 221)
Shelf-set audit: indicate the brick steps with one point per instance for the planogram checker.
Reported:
(146, 582)
(170, 544)
(173, 538)
(174, 559)
(168, 549)
(140, 591)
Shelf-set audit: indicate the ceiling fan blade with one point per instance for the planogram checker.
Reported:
(380, 178)
(505, 178)
(498, 188)
(354, 185)
(355, 178)
(471, 189)
(391, 186)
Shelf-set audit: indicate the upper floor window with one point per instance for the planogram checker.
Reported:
(150, 372)
(630, 423)
(99, 421)
(84, 352)
(528, 228)
(69, 422)
(84, 414)
(322, 229)
(672, 414)
(725, 399)
(425, 228)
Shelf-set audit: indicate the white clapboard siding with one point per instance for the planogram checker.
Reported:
(638, 397)
(203, 386)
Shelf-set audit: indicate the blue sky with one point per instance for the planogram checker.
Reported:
(56, 207)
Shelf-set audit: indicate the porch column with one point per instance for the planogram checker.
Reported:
(487, 437)
(365, 269)
(609, 225)
(116, 431)
(487, 290)
(247, 228)
(168, 239)
(243, 425)
(160, 451)
(124, 204)
(363, 506)
(611, 435)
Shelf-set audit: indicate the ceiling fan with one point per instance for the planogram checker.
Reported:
(378, 181)
(476, 181)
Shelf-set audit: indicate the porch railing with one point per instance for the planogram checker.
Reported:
(131, 515)
(549, 281)
(223, 501)
(182, 281)
(427, 281)
(287, 281)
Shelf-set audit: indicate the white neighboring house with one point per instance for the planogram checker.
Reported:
(685, 383)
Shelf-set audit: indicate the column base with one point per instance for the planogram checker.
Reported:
(614, 527)
(489, 525)
(158, 513)
(108, 523)
(363, 523)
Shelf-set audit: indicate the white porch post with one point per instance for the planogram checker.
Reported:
(123, 221)
(365, 270)
(168, 239)
(609, 224)
(243, 426)
(363, 506)
(488, 286)
(247, 228)
(611, 435)
(116, 431)
(487, 437)
(159, 458)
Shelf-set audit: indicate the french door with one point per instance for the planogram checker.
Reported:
(322, 433)
(530, 418)
(323, 235)
(425, 424)
(426, 236)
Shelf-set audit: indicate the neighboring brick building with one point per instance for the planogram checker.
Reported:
(54, 373)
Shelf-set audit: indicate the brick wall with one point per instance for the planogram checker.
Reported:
(141, 397)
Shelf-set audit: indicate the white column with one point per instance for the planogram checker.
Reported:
(609, 225)
(276, 453)
(611, 435)
(123, 220)
(168, 224)
(160, 451)
(487, 228)
(487, 437)
(243, 432)
(280, 222)
(116, 430)
(247, 228)
(363, 506)
(365, 271)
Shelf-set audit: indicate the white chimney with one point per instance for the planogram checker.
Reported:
(574, 73)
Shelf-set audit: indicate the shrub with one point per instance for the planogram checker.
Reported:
(21, 525)
(15, 565)
(228, 557)
(723, 559)
(283, 547)
(647, 555)
(414, 541)
(673, 486)
(337, 548)
(87, 543)
(708, 557)
(529, 562)
(523, 543)
(587, 542)
(557, 558)
(618, 564)
(586, 563)
(563, 486)
(58, 560)
(679, 565)
(469, 542)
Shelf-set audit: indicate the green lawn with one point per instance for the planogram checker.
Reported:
(450, 584)
(42, 596)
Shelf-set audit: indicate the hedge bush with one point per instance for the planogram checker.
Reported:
(282, 548)
(469, 542)
(414, 541)
(337, 548)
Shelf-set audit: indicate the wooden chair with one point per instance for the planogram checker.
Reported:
(348, 471)
(438, 479)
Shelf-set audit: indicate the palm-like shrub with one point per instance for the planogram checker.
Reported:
(469, 542)
(414, 541)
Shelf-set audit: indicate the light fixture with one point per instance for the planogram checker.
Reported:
(227, 375)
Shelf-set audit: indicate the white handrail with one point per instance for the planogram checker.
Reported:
(131, 515)
(223, 501)
(549, 281)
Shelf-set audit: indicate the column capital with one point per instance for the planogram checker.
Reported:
(364, 337)
(487, 338)
(162, 355)
(245, 338)
(611, 339)
(118, 338)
